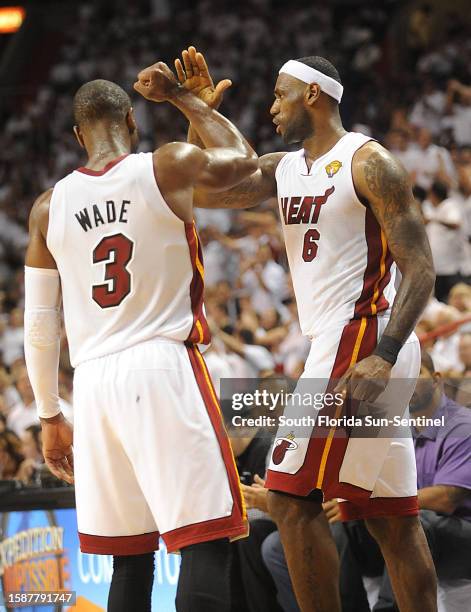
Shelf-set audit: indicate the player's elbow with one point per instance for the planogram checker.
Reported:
(425, 277)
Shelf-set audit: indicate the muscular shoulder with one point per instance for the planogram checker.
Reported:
(39, 215)
(176, 155)
(378, 175)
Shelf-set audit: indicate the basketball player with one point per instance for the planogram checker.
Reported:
(349, 219)
(116, 240)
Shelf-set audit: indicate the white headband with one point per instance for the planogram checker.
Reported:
(310, 75)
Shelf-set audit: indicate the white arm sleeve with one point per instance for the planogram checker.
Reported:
(42, 337)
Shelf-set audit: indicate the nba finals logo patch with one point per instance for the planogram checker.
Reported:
(333, 168)
(282, 445)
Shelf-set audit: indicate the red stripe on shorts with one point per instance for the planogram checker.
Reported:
(236, 525)
(327, 445)
(119, 545)
(330, 484)
(377, 507)
(199, 333)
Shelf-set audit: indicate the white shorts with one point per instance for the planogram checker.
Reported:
(371, 470)
(152, 456)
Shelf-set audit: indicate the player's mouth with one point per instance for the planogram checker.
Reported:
(278, 127)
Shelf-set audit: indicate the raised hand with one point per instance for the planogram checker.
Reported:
(193, 74)
(157, 83)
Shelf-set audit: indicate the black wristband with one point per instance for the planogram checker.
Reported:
(388, 349)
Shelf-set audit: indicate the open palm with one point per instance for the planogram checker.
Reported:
(194, 75)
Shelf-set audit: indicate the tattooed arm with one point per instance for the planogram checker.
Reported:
(260, 186)
(383, 185)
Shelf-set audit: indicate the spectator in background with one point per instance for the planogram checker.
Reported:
(443, 220)
(11, 343)
(420, 27)
(429, 108)
(398, 140)
(10, 455)
(8, 391)
(458, 112)
(259, 360)
(462, 382)
(426, 162)
(264, 279)
(31, 448)
(445, 351)
(23, 414)
(464, 352)
(3, 419)
(463, 166)
(460, 298)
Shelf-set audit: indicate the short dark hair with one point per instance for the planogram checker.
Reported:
(439, 189)
(419, 193)
(247, 336)
(323, 65)
(100, 100)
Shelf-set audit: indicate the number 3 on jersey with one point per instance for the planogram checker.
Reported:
(115, 252)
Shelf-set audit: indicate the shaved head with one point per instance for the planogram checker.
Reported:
(100, 100)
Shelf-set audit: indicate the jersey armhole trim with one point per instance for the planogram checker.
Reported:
(359, 200)
(165, 206)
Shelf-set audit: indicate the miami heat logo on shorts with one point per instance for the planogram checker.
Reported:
(281, 446)
(333, 168)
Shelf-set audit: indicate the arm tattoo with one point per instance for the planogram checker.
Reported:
(387, 181)
(246, 194)
(390, 197)
(251, 192)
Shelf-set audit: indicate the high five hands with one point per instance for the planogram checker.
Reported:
(193, 75)
(158, 83)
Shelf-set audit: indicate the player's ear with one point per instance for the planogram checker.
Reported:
(313, 91)
(78, 136)
(131, 121)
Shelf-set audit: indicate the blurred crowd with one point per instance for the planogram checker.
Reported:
(410, 92)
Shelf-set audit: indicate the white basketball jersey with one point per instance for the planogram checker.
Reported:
(339, 260)
(130, 269)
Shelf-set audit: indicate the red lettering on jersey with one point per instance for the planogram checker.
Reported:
(320, 201)
(295, 212)
(284, 208)
(305, 210)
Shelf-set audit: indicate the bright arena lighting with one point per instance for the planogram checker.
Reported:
(11, 18)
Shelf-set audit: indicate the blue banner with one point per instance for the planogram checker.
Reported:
(39, 551)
